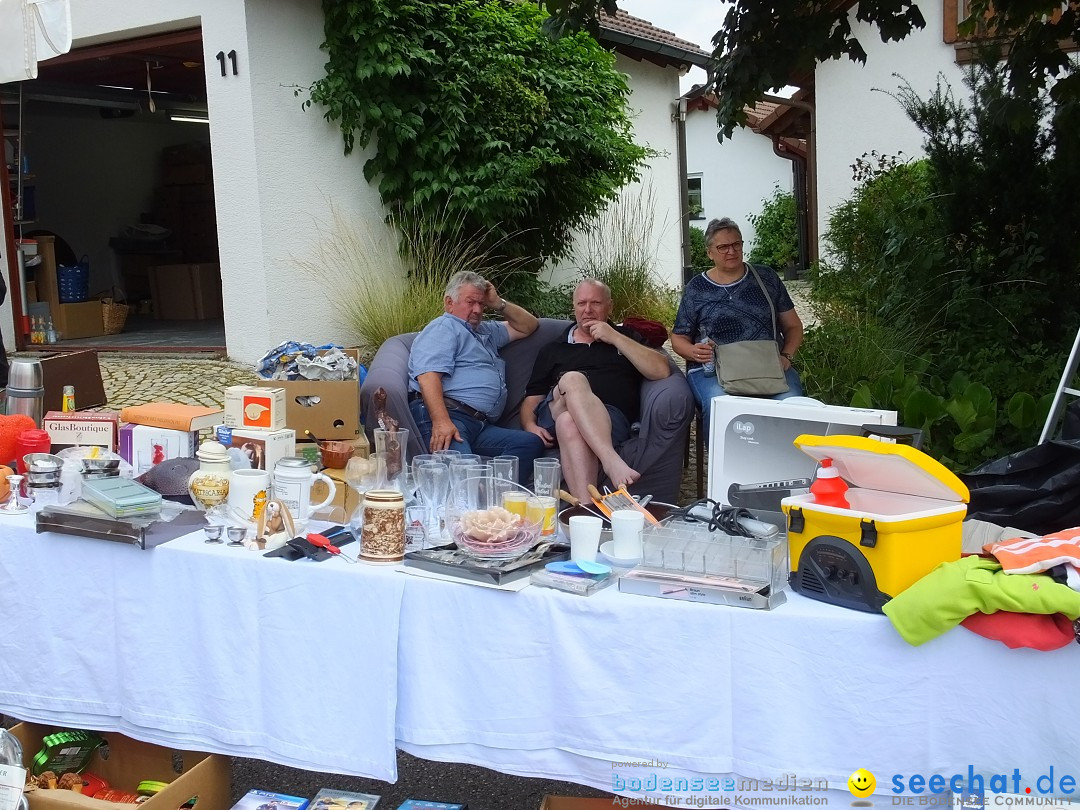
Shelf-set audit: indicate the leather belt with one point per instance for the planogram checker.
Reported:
(454, 405)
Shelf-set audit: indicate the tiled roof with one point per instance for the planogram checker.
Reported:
(637, 27)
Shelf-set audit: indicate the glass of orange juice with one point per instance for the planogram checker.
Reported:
(541, 509)
(514, 501)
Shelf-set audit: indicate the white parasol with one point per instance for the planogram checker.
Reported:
(32, 31)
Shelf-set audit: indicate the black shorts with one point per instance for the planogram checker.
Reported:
(620, 425)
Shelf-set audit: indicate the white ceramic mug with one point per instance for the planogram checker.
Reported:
(293, 478)
(249, 490)
(627, 528)
(584, 537)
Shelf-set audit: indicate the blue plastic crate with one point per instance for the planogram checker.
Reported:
(73, 283)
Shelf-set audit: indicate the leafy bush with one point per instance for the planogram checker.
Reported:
(776, 240)
(699, 255)
(474, 115)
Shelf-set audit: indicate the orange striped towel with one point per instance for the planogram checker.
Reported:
(1030, 555)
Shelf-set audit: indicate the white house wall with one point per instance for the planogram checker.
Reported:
(653, 93)
(852, 118)
(737, 176)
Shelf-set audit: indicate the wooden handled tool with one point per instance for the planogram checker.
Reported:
(619, 499)
(570, 499)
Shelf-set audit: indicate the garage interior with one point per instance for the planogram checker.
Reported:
(108, 153)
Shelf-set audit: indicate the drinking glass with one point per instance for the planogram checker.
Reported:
(458, 473)
(392, 444)
(547, 477)
(419, 459)
(506, 468)
(433, 480)
(446, 456)
(472, 458)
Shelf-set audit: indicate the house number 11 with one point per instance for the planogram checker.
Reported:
(232, 58)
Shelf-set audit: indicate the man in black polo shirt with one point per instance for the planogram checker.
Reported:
(585, 391)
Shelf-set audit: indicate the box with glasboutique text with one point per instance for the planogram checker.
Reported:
(248, 406)
(753, 461)
(82, 429)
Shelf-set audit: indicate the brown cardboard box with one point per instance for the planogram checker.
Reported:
(80, 320)
(130, 762)
(346, 499)
(186, 291)
(330, 410)
(80, 369)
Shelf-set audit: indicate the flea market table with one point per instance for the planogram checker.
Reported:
(333, 666)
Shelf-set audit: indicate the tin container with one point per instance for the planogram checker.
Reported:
(382, 538)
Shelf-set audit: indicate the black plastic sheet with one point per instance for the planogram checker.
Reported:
(1037, 489)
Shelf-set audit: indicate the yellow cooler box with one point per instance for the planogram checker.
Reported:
(904, 516)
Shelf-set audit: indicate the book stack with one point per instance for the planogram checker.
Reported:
(158, 431)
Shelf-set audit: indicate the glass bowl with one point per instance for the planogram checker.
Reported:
(486, 518)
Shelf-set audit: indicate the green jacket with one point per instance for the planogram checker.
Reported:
(954, 590)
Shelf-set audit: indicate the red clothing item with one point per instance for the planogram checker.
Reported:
(1039, 631)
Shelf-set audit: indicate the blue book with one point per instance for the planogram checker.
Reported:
(264, 800)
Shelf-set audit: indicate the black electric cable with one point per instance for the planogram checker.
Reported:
(724, 518)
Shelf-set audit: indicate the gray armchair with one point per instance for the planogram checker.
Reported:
(655, 449)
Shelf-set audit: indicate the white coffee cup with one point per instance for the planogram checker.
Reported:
(584, 537)
(627, 529)
(249, 490)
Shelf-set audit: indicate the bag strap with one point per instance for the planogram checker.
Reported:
(772, 309)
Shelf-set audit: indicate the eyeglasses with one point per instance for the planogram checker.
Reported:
(730, 247)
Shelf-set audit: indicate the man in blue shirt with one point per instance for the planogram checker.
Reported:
(457, 380)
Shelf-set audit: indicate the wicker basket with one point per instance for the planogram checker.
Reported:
(113, 316)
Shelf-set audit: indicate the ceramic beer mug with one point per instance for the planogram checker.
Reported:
(249, 490)
(293, 478)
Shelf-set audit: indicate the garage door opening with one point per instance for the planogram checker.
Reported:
(109, 194)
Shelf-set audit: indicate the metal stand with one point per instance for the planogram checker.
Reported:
(1063, 388)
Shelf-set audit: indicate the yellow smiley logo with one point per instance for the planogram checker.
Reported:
(861, 783)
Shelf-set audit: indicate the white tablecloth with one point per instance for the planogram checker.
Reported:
(326, 665)
(202, 646)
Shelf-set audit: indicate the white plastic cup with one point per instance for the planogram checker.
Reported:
(627, 529)
(584, 537)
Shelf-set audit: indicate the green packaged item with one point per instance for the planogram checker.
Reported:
(66, 752)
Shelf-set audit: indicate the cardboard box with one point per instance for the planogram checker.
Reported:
(80, 369)
(329, 409)
(263, 447)
(143, 446)
(186, 291)
(129, 762)
(346, 499)
(249, 406)
(80, 320)
(753, 462)
(86, 429)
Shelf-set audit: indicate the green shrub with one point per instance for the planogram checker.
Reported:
(699, 254)
(776, 240)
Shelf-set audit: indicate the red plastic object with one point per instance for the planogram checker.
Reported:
(829, 489)
(30, 441)
(93, 784)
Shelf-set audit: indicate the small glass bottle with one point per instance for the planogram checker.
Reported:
(69, 399)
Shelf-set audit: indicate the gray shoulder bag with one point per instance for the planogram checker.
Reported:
(751, 368)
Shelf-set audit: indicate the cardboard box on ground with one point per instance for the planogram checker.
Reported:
(329, 409)
(130, 762)
(186, 292)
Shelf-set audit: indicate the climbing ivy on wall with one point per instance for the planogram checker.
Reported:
(474, 115)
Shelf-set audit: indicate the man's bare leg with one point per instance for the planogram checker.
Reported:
(579, 462)
(593, 424)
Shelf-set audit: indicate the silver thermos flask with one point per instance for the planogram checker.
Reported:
(25, 390)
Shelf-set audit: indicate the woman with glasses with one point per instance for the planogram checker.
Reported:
(725, 304)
